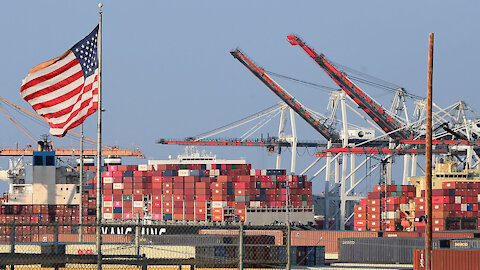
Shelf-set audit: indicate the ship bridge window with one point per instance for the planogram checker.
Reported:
(49, 161)
(38, 161)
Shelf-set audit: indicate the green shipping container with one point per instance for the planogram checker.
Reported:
(304, 197)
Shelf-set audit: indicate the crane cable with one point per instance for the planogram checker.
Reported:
(43, 119)
(11, 119)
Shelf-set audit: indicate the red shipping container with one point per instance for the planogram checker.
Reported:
(202, 191)
(361, 222)
(191, 179)
(178, 185)
(374, 202)
(374, 209)
(200, 197)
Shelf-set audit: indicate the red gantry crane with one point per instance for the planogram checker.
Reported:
(387, 123)
(326, 131)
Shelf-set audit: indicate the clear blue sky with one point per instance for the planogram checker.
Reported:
(168, 72)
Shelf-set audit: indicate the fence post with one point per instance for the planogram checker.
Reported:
(99, 243)
(55, 239)
(240, 247)
(55, 244)
(137, 237)
(289, 244)
(12, 243)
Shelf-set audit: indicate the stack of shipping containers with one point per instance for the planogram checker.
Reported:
(384, 210)
(201, 192)
(454, 207)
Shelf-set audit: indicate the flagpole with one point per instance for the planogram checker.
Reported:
(99, 141)
(80, 215)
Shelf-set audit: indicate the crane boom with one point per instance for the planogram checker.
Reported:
(373, 109)
(327, 132)
(70, 152)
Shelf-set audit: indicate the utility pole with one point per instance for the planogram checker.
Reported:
(428, 158)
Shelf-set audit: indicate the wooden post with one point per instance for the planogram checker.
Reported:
(428, 158)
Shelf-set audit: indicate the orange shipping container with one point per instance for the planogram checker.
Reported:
(448, 259)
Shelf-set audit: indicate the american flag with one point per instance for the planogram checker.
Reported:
(64, 90)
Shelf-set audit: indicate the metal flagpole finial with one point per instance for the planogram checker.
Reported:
(100, 5)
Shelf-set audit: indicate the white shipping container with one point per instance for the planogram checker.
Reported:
(137, 204)
(458, 199)
(117, 185)
(264, 172)
(391, 215)
(183, 172)
(252, 172)
(463, 207)
(255, 204)
(219, 204)
(107, 180)
(143, 167)
(108, 215)
(404, 206)
(108, 203)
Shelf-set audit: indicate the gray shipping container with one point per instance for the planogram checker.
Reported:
(187, 240)
(308, 255)
(471, 243)
(384, 249)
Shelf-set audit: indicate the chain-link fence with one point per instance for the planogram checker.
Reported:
(149, 246)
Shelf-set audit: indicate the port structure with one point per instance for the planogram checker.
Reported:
(272, 144)
(28, 150)
(401, 134)
(401, 129)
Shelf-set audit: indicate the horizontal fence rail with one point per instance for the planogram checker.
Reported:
(142, 246)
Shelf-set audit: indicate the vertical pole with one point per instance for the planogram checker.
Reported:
(326, 224)
(55, 240)
(289, 248)
(137, 237)
(240, 247)
(80, 206)
(428, 157)
(195, 210)
(12, 243)
(99, 142)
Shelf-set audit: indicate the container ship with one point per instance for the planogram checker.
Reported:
(193, 187)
